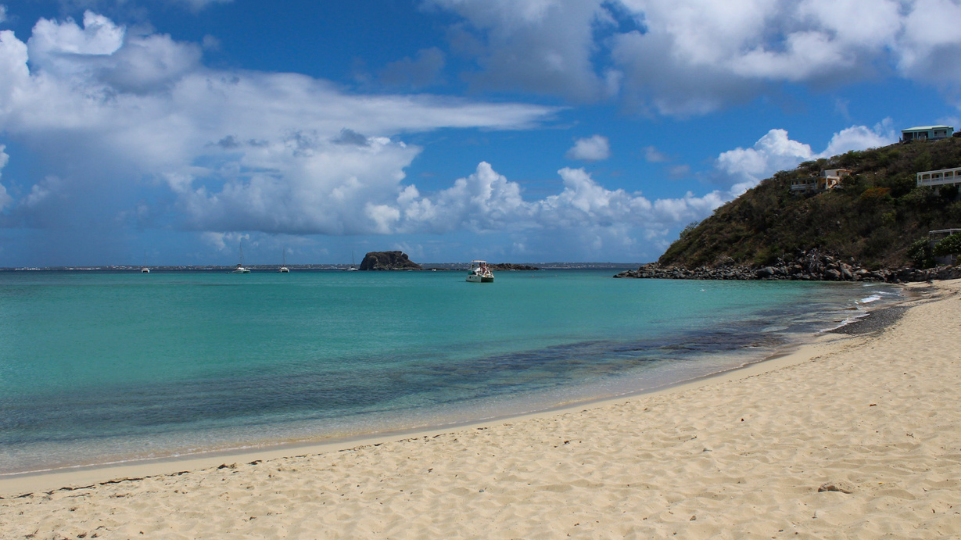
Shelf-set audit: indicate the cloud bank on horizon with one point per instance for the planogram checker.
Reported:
(136, 133)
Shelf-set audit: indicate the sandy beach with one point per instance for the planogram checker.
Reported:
(853, 436)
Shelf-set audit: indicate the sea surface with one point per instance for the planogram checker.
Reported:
(100, 368)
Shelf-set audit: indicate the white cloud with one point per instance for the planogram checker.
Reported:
(861, 138)
(772, 152)
(3, 13)
(595, 148)
(487, 201)
(99, 36)
(684, 57)
(123, 113)
(775, 151)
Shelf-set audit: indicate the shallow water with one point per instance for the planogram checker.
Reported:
(99, 368)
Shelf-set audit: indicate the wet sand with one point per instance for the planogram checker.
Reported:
(853, 436)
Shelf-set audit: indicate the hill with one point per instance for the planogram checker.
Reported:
(871, 220)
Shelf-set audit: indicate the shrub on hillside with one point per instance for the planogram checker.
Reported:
(921, 254)
(948, 246)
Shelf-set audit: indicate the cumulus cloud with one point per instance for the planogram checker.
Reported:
(686, 57)
(3, 13)
(595, 148)
(775, 151)
(929, 47)
(861, 138)
(122, 117)
(488, 201)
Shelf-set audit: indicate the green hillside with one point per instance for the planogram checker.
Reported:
(874, 217)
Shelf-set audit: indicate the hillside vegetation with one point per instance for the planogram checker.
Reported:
(873, 218)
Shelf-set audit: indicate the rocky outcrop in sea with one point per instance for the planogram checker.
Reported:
(806, 266)
(388, 260)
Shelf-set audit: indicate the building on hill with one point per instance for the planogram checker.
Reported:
(926, 133)
(827, 179)
(941, 177)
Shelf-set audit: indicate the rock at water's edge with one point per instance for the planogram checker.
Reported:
(804, 265)
(388, 260)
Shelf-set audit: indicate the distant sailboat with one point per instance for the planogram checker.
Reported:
(351, 268)
(240, 266)
(283, 267)
(144, 270)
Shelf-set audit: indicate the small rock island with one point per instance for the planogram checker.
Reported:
(388, 260)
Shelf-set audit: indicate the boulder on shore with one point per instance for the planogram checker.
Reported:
(388, 260)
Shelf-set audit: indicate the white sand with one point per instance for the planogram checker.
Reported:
(738, 456)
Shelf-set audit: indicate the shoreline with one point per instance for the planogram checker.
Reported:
(529, 407)
(848, 436)
(69, 477)
(17, 485)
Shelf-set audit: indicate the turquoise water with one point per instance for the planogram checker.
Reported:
(98, 368)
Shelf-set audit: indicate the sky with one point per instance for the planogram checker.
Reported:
(171, 132)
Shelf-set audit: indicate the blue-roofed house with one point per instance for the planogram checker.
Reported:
(926, 133)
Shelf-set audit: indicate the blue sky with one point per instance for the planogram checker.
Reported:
(510, 130)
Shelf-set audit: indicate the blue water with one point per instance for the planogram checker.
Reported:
(100, 367)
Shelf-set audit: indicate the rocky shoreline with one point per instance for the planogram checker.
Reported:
(806, 266)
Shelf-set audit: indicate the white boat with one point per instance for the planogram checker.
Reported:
(351, 268)
(144, 270)
(480, 273)
(240, 266)
(283, 266)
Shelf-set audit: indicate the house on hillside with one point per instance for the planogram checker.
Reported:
(926, 133)
(827, 179)
(941, 177)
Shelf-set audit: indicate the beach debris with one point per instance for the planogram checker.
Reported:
(842, 487)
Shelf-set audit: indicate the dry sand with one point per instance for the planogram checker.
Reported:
(852, 437)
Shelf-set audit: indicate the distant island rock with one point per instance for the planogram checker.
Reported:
(512, 266)
(388, 260)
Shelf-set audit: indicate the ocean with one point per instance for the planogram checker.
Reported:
(100, 368)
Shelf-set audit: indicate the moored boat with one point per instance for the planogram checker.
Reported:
(240, 266)
(480, 272)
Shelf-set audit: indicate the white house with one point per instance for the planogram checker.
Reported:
(942, 177)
